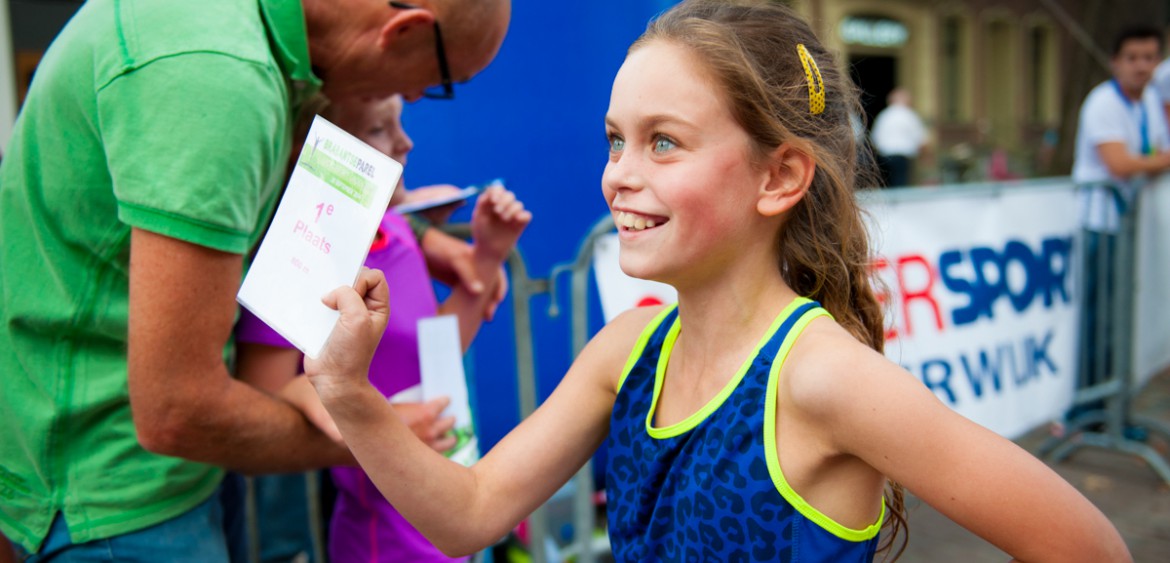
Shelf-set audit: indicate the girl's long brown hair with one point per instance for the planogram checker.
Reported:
(749, 48)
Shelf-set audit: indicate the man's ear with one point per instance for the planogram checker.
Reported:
(401, 23)
(790, 173)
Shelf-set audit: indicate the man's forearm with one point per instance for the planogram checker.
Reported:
(184, 401)
(241, 428)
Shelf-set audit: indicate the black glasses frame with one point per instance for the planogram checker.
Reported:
(440, 53)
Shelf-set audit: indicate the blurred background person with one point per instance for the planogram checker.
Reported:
(363, 527)
(898, 135)
(1122, 139)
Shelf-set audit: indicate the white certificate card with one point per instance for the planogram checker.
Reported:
(441, 363)
(320, 236)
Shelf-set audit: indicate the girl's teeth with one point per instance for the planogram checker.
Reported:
(633, 222)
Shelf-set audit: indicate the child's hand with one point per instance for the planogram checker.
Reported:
(423, 419)
(450, 260)
(497, 222)
(299, 393)
(344, 361)
(501, 292)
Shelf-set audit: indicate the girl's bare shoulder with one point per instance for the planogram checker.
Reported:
(829, 370)
(608, 351)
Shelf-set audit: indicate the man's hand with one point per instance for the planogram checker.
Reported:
(1163, 161)
(423, 419)
(184, 402)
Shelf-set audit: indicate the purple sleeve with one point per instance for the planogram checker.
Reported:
(253, 330)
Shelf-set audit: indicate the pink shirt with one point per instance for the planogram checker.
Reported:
(364, 527)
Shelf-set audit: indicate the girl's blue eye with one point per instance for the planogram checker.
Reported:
(616, 144)
(663, 144)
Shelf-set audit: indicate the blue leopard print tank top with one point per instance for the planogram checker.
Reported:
(710, 488)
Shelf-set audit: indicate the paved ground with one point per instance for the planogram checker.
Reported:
(1125, 489)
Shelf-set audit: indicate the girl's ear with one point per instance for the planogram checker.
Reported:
(790, 173)
(400, 23)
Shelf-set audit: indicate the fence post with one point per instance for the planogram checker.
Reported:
(583, 516)
(1114, 428)
(523, 289)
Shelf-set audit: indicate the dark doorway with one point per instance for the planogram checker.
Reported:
(876, 76)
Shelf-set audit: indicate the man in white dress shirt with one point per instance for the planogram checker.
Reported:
(898, 135)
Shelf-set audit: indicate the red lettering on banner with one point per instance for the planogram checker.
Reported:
(882, 291)
(910, 295)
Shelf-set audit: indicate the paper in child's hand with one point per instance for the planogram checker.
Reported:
(441, 362)
(336, 196)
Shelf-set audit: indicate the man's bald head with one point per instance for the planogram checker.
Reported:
(379, 48)
(473, 31)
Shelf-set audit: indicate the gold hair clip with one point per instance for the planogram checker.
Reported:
(816, 90)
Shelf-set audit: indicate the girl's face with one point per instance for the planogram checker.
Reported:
(378, 122)
(680, 182)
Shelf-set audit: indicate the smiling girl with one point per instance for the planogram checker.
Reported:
(757, 420)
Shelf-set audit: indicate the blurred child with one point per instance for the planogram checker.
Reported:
(757, 420)
(364, 527)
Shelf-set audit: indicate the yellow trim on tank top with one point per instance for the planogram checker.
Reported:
(773, 459)
(640, 344)
(700, 415)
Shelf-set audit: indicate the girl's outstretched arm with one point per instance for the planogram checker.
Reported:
(878, 412)
(459, 509)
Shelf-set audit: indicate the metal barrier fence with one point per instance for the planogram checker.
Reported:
(1103, 416)
(1102, 400)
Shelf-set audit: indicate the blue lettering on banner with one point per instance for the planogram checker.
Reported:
(936, 374)
(1045, 275)
(986, 370)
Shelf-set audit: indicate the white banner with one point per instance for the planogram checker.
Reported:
(981, 299)
(1152, 325)
(981, 294)
(618, 291)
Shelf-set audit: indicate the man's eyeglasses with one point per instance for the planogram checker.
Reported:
(447, 91)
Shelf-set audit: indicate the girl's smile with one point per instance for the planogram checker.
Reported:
(677, 182)
(629, 221)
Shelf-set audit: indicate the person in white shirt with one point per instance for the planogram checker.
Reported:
(1122, 138)
(898, 135)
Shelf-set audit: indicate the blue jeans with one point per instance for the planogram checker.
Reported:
(195, 536)
(283, 518)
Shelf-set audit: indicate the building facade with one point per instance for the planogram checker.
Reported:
(985, 75)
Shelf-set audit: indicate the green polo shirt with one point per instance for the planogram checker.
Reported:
(170, 116)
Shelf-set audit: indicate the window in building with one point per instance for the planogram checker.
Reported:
(952, 66)
(1041, 79)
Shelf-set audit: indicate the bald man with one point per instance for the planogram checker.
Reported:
(146, 160)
